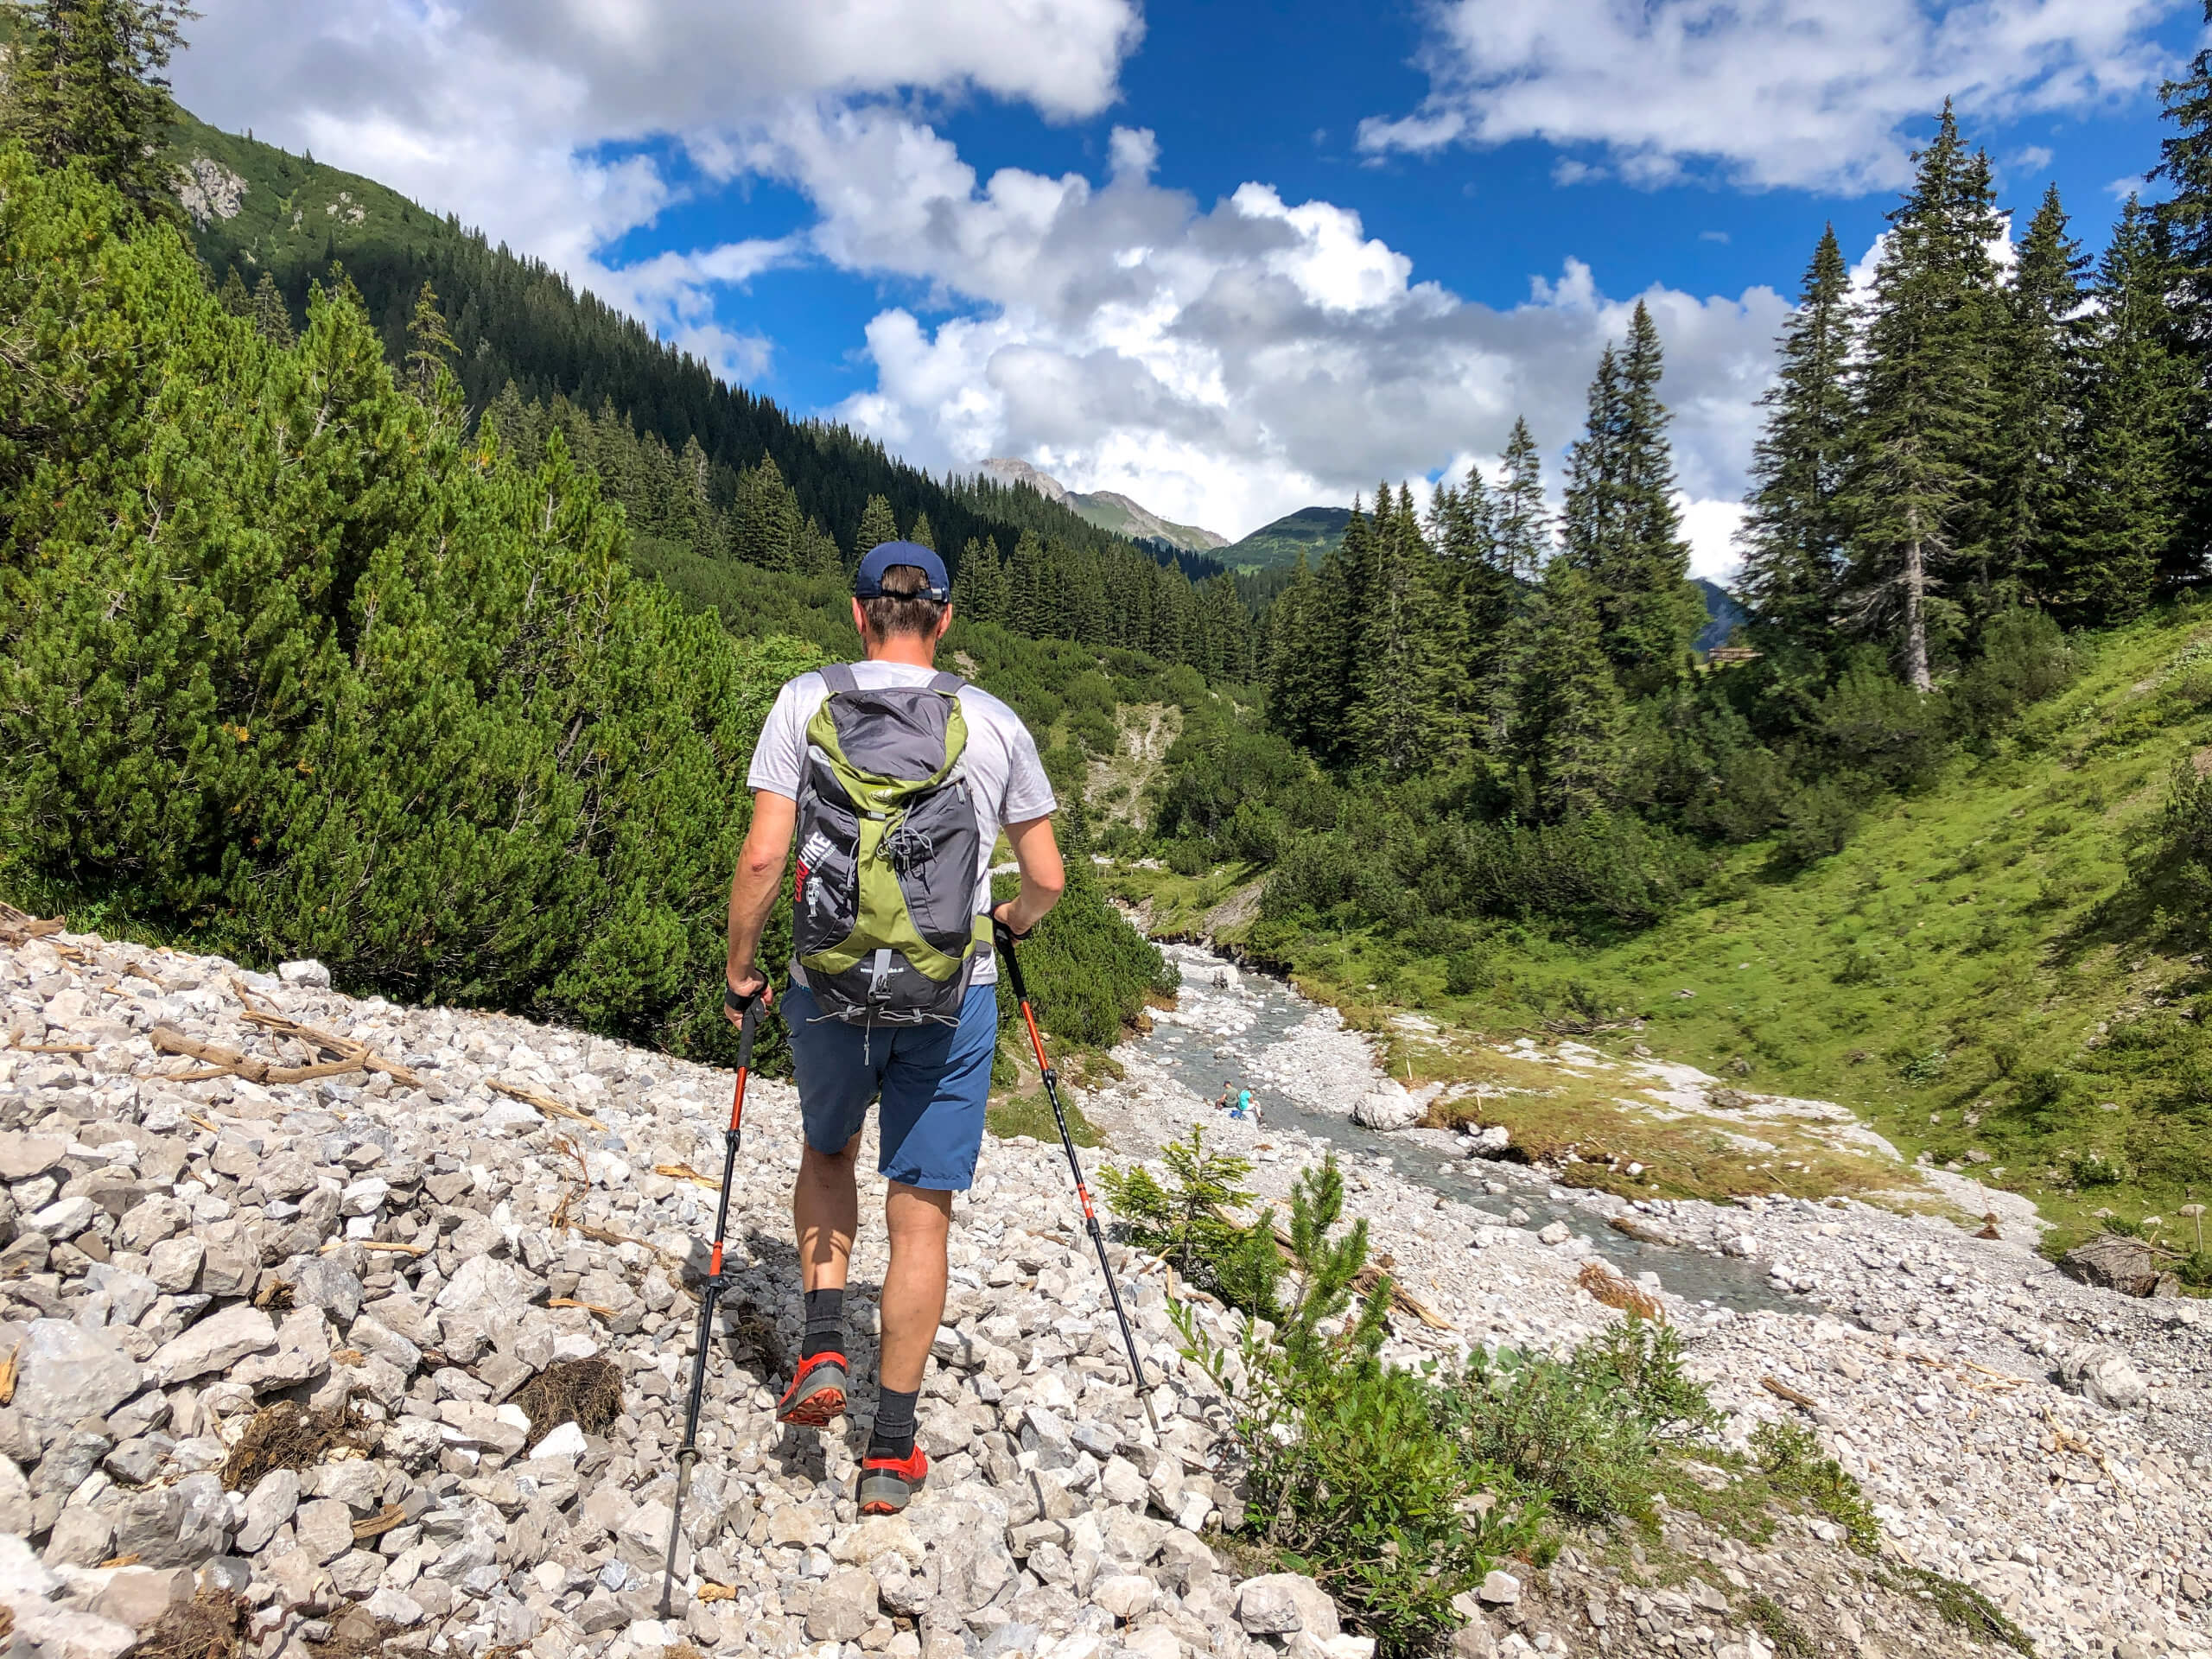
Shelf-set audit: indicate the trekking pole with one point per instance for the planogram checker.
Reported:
(709, 1292)
(1003, 939)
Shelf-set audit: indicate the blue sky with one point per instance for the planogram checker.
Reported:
(1227, 258)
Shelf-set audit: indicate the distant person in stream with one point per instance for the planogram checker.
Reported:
(897, 779)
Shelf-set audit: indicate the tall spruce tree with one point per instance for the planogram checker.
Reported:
(2038, 388)
(1481, 595)
(2184, 229)
(1925, 403)
(1793, 539)
(1524, 530)
(921, 534)
(430, 350)
(272, 317)
(85, 85)
(1568, 716)
(876, 526)
(1405, 659)
(1623, 529)
(2129, 501)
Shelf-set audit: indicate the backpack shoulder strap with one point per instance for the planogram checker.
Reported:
(950, 684)
(839, 676)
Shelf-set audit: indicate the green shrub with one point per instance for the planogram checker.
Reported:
(1585, 1430)
(2173, 868)
(1957, 1604)
(1816, 823)
(290, 666)
(1918, 1065)
(1466, 972)
(1789, 1456)
(2024, 658)
(1358, 1472)
(2093, 1169)
(1189, 856)
(1876, 724)
(1185, 1225)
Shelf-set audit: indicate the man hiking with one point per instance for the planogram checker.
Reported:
(897, 780)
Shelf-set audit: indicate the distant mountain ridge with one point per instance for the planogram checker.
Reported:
(1107, 509)
(1723, 615)
(1314, 532)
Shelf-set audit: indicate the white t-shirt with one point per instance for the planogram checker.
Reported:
(1005, 777)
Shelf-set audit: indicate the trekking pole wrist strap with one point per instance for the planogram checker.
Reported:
(737, 1004)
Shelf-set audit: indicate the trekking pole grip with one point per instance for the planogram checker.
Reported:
(1002, 941)
(745, 1035)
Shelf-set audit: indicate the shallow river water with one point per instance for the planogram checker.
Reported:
(1307, 1073)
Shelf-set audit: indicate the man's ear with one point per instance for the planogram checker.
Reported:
(944, 622)
(859, 620)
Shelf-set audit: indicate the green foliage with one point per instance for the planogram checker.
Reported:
(1358, 1471)
(84, 85)
(1586, 1430)
(1031, 1115)
(1790, 1458)
(1960, 1605)
(292, 669)
(2024, 660)
(2173, 867)
(1186, 1223)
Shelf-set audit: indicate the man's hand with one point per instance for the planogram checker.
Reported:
(745, 989)
(1002, 916)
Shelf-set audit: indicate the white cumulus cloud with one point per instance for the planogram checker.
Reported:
(1769, 92)
(1224, 364)
(524, 117)
(1223, 361)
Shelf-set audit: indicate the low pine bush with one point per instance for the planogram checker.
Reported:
(1358, 1472)
(1188, 1224)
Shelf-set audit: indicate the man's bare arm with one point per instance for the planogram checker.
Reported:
(1044, 878)
(753, 891)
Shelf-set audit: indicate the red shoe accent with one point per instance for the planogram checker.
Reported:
(888, 1484)
(817, 1396)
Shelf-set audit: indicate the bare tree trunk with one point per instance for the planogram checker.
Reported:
(1916, 622)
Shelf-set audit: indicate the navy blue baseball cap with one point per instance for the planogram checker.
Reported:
(868, 582)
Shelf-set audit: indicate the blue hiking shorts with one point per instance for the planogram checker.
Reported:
(934, 1082)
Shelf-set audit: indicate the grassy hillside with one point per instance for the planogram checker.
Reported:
(1974, 975)
(1310, 531)
(1124, 516)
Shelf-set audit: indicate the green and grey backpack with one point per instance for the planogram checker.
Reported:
(884, 917)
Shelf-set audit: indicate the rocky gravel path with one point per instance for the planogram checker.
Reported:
(211, 1210)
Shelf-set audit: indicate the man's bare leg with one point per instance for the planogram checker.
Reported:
(920, 1221)
(825, 1214)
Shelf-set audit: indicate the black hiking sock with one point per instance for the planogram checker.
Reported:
(892, 1435)
(825, 1321)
